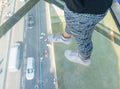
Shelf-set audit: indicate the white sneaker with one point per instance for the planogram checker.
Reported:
(75, 57)
(58, 37)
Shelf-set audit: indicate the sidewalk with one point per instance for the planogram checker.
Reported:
(5, 45)
(6, 76)
(17, 35)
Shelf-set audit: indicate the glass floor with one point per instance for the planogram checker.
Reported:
(103, 73)
(51, 69)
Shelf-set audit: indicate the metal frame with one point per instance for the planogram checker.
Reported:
(16, 17)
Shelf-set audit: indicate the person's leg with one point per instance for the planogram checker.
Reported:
(81, 27)
(60, 37)
(83, 32)
(64, 37)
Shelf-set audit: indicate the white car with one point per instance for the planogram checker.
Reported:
(30, 69)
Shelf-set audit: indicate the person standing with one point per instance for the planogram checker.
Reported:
(81, 17)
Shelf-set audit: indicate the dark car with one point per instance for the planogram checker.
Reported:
(30, 22)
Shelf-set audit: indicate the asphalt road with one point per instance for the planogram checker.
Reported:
(36, 46)
(47, 75)
(32, 48)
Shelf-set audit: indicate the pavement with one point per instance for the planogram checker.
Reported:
(16, 35)
(4, 46)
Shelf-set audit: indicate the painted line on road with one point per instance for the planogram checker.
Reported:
(37, 44)
(40, 45)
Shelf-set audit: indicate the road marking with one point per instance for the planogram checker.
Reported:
(37, 46)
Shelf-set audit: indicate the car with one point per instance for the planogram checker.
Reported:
(30, 22)
(30, 68)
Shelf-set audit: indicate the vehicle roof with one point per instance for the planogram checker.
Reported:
(13, 55)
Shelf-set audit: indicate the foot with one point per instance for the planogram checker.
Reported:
(75, 57)
(58, 37)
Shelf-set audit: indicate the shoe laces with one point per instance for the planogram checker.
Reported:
(57, 37)
(74, 53)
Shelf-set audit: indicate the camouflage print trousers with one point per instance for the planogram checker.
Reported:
(81, 26)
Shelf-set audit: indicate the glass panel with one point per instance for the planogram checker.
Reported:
(105, 59)
(52, 69)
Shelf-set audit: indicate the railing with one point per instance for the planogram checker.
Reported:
(115, 11)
